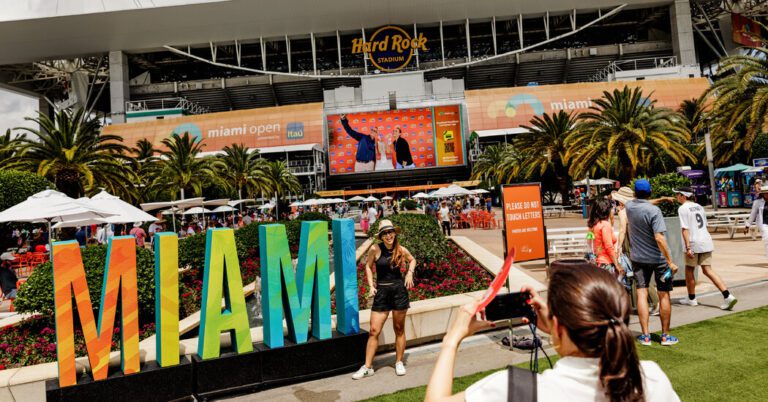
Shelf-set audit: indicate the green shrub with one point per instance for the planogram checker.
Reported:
(192, 251)
(420, 234)
(16, 187)
(409, 204)
(663, 186)
(36, 294)
(313, 216)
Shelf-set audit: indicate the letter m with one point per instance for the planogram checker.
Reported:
(119, 281)
(295, 295)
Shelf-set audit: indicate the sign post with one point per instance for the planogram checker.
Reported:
(524, 221)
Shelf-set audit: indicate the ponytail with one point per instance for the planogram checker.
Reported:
(620, 373)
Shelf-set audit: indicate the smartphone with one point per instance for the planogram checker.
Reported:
(508, 305)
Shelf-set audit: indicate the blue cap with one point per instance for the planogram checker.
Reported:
(643, 185)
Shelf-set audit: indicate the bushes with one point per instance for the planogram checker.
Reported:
(36, 294)
(313, 216)
(16, 187)
(409, 205)
(192, 251)
(421, 235)
(663, 186)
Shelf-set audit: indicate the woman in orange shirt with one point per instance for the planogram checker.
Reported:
(604, 243)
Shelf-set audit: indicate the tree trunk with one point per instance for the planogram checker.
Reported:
(562, 183)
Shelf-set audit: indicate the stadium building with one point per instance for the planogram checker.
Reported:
(450, 77)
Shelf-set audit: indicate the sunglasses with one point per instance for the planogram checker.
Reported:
(387, 232)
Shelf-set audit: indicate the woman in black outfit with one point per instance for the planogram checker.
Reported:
(389, 293)
(403, 158)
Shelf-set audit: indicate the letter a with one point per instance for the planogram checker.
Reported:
(119, 278)
(167, 299)
(222, 265)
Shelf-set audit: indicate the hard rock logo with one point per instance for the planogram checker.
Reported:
(390, 48)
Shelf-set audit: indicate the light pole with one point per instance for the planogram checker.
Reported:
(710, 161)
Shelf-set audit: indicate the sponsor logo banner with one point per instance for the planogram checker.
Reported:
(390, 48)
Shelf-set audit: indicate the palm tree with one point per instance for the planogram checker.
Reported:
(243, 170)
(694, 113)
(10, 149)
(145, 166)
(491, 165)
(180, 167)
(279, 180)
(544, 147)
(71, 151)
(626, 125)
(740, 102)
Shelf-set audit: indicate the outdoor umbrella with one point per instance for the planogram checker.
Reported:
(124, 211)
(81, 222)
(387, 198)
(421, 195)
(51, 206)
(181, 204)
(224, 208)
(371, 199)
(452, 190)
(296, 204)
(480, 191)
(356, 198)
(197, 211)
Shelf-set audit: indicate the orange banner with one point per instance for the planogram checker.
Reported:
(500, 108)
(255, 128)
(448, 139)
(524, 221)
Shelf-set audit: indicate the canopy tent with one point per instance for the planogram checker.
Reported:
(370, 199)
(51, 206)
(595, 182)
(125, 212)
(356, 198)
(452, 190)
(739, 167)
(197, 211)
(81, 222)
(480, 191)
(756, 169)
(420, 195)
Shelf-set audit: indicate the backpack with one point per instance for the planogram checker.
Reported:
(521, 385)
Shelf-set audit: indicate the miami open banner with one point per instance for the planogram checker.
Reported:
(392, 140)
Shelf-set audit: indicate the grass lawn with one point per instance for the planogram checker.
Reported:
(723, 359)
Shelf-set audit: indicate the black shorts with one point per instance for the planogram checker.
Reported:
(643, 274)
(390, 297)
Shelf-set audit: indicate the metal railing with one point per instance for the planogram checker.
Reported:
(610, 70)
(165, 103)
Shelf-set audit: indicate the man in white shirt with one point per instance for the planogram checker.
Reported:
(698, 248)
(445, 218)
(372, 214)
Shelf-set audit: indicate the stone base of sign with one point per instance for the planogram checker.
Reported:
(264, 367)
(152, 383)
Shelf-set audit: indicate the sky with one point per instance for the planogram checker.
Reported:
(14, 108)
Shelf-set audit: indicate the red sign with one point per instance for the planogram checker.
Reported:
(745, 31)
(524, 221)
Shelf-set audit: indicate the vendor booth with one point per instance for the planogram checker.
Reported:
(699, 184)
(750, 176)
(731, 185)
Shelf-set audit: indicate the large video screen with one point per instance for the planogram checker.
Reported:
(393, 140)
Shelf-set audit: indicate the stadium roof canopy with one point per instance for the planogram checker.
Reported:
(75, 28)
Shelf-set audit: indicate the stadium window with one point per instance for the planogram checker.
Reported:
(301, 55)
(481, 38)
(455, 41)
(277, 58)
(327, 52)
(507, 38)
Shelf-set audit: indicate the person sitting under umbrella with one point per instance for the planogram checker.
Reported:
(8, 277)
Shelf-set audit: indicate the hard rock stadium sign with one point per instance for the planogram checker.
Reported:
(390, 48)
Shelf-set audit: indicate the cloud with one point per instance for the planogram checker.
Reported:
(14, 108)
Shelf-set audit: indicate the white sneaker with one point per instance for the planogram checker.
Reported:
(363, 372)
(688, 302)
(729, 302)
(400, 368)
(655, 311)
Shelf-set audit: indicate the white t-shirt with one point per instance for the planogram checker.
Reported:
(692, 217)
(573, 379)
(445, 214)
(372, 214)
(153, 227)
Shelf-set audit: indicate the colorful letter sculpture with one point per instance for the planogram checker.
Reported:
(119, 278)
(307, 290)
(222, 274)
(167, 299)
(345, 274)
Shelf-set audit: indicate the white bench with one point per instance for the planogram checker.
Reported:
(554, 210)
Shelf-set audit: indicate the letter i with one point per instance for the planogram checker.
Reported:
(167, 299)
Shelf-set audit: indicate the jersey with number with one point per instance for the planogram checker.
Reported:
(692, 217)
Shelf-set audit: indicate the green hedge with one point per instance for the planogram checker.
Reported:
(663, 186)
(420, 234)
(409, 204)
(36, 294)
(313, 216)
(16, 187)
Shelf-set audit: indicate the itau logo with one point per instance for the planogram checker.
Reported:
(190, 128)
(295, 131)
(511, 107)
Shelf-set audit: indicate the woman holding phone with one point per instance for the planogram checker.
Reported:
(586, 315)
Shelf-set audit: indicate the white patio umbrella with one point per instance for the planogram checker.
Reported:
(267, 206)
(124, 211)
(420, 195)
(171, 211)
(452, 190)
(480, 191)
(296, 204)
(51, 206)
(387, 198)
(595, 182)
(81, 222)
(181, 204)
(224, 208)
(197, 211)
(371, 199)
(356, 198)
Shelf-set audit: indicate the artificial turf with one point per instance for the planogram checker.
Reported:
(722, 359)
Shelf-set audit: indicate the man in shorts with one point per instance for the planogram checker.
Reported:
(698, 248)
(650, 257)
